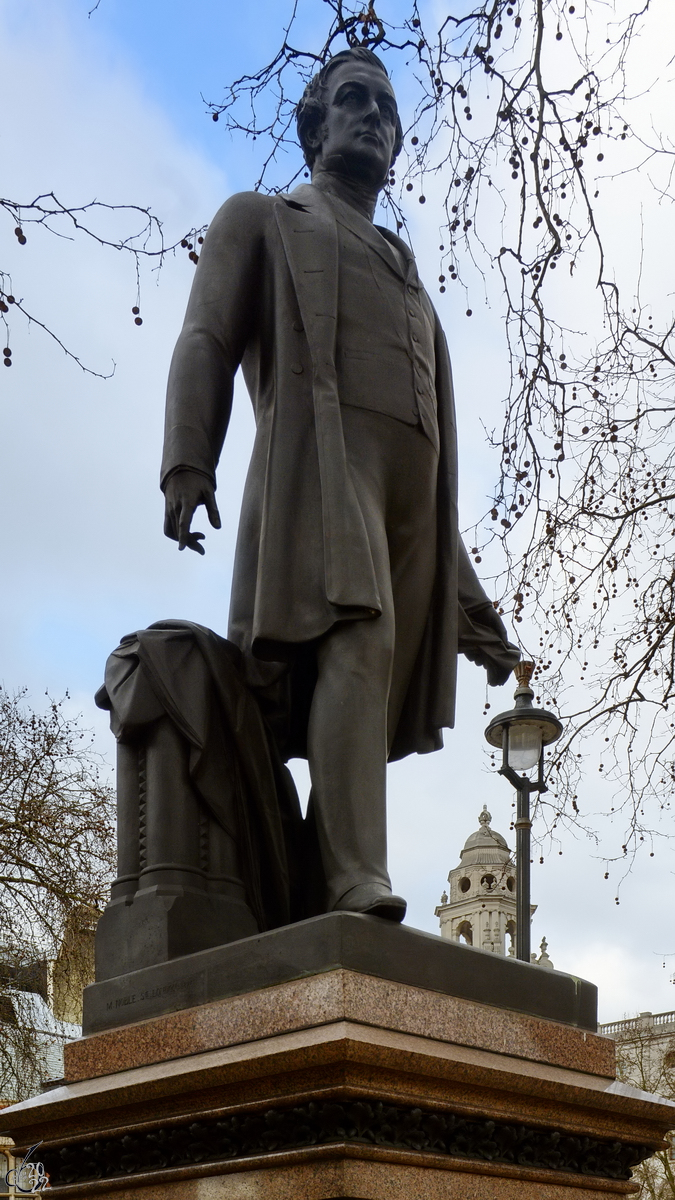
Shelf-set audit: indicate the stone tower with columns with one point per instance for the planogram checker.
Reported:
(481, 907)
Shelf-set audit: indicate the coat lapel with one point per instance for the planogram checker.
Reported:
(394, 240)
(367, 232)
(308, 232)
(306, 223)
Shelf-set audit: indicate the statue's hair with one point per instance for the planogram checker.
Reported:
(311, 110)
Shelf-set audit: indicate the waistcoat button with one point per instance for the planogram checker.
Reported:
(297, 368)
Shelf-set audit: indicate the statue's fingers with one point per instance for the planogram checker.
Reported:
(185, 514)
(194, 541)
(170, 524)
(184, 521)
(212, 509)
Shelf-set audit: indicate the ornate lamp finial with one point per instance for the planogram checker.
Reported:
(523, 672)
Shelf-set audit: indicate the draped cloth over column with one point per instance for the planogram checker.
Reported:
(186, 672)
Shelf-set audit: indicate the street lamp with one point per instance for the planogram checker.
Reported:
(521, 734)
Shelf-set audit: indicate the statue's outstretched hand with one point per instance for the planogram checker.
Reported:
(184, 492)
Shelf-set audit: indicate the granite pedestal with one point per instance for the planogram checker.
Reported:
(357, 943)
(346, 1083)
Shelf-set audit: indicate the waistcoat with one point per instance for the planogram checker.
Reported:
(385, 340)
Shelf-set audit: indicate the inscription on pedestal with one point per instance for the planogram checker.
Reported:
(177, 993)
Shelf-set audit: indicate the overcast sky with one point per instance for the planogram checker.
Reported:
(109, 107)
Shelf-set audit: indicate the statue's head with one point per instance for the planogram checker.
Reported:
(348, 119)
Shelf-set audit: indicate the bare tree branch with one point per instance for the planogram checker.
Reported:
(143, 240)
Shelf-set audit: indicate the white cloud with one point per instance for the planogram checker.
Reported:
(83, 550)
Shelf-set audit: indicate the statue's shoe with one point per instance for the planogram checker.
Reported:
(374, 900)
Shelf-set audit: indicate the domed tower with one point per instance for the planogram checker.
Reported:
(481, 908)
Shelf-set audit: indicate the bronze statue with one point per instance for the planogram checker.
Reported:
(352, 592)
(348, 545)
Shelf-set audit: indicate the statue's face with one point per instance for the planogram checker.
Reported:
(359, 132)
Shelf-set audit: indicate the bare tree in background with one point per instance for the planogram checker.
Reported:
(57, 858)
(645, 1060)
(129, 228)
(513, 110)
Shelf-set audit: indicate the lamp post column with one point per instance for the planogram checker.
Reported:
(523, 843)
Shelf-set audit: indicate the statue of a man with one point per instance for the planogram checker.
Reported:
(352, 591)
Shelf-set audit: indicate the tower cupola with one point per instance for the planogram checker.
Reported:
(481, 907)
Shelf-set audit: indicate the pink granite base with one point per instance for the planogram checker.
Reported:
(339, 995)
(338, 1038)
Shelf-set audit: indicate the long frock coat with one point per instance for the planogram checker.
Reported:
(265, 296)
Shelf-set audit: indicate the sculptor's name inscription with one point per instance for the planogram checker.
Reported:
(179, 986)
